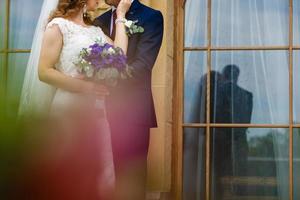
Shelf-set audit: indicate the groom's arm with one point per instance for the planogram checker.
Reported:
(148, 48)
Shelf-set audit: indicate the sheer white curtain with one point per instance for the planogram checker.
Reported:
(263, 73)
(296, 70)
(296, 22)
(194, 139)
(194, 70)
(297, 113)
(296, 163)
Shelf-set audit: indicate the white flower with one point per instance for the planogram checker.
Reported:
(89, 72)
(111, 50)
(83, 61)
(100, 41)
(128, 23)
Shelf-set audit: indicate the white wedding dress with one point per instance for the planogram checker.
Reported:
(75, 38)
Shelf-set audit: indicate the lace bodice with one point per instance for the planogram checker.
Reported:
(75, 38)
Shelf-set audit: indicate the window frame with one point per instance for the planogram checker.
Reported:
(178, 91)
(6, 50)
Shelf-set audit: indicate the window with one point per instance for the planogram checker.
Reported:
(237, 107)
(18, 21)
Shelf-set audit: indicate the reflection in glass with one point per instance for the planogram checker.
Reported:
(249, 22)
(23, 18)
(296, 21)
(250, 90)
(194, 86)
(195, 23)
(193, 164)
(230, 102)
(296, 163)
(2, 23)
(296, 93)
(250, 163)
(16, 70)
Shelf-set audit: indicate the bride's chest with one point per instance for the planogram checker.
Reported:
(81, 38)
(75, 41)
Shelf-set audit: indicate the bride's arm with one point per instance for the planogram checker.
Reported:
(50, 52)
(121, 39)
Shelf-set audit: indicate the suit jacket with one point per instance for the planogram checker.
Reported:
(234, 104)
(131, 101)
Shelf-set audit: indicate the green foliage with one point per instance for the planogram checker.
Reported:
(263, 146)
(133, 29)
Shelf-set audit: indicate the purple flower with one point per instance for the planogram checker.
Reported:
(100, 56)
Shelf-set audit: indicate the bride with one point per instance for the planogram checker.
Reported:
(55, 50)
(52, 84)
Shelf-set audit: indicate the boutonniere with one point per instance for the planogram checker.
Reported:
(131, 26)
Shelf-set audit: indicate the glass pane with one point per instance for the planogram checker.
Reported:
(1, 64)
(2, 22)
(250, 22)
(194, 86)
(296, 163)
(16, 70)
(250, 163)
(253, 88)
(296, 20)
(2, 75)
(23, 19)
(195, 23)
(296, 86)
(193, 164)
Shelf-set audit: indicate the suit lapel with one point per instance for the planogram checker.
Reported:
(106, 22)
(131, 14)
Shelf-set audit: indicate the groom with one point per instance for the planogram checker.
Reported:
(130, 106)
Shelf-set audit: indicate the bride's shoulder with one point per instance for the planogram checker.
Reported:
(60, 23)
(56, 21)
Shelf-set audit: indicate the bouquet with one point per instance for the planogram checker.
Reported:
(103, 63)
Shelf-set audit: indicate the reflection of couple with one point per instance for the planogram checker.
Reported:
(124, 119)
(229, 103)
(232, 104)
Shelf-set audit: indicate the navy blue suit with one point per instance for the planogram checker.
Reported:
(132, 99)
(130, 107)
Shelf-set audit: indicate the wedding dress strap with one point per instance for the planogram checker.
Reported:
(61, 23)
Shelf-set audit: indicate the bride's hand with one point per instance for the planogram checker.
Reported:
(123, 8)
(99, 90)
(80, 76)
